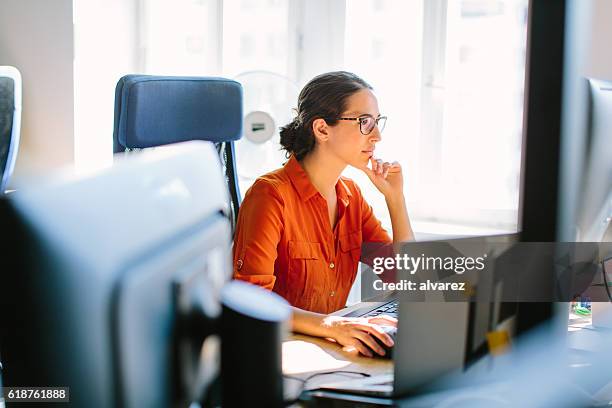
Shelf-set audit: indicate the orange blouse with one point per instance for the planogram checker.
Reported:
(284, 241)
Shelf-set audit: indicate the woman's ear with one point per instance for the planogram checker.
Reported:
(320, 129)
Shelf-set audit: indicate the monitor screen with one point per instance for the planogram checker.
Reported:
(595, 202)
(103, 269)
(10, 121)
(7, 108)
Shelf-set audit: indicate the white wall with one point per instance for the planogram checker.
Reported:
(36, 36)
(106, 38)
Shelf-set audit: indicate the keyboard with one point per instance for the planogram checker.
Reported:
(389, 309)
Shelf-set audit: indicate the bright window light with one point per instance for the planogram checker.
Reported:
(255, 36)
(449, 74)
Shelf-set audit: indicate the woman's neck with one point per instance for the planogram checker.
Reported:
(323, 171)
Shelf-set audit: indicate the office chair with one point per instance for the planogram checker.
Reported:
(159, 110)
(10, 122)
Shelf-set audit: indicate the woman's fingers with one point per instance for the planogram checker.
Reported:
(375, 163)
(359, 335)
(374, 330)
(359, 347)
(369, 341)
(383, 168)
(383, 320)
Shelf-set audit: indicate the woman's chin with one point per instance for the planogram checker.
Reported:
(361, 163)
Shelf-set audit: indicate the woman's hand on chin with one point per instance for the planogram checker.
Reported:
(387, 177)
(356, 334)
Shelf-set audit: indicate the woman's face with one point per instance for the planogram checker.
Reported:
(345, 138)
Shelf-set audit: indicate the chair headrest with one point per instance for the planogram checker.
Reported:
(158, 110)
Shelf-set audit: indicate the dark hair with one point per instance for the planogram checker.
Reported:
(324, 97)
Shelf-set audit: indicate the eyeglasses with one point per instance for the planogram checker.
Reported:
(367, 123)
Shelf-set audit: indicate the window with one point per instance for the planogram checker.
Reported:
(229, 38)
(447, 73)
(388, 56)
(255, 36)
(180, 37)
(472, 112)
(214, 37)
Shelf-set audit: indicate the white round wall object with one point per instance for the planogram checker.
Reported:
(259, 127)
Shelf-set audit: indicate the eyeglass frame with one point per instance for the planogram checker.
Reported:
(366, 116)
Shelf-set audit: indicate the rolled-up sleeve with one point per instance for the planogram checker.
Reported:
(258, 232)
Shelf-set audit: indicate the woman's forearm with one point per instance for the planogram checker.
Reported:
(310, 323)
(400, 223)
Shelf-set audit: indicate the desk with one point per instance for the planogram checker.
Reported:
(304, 356)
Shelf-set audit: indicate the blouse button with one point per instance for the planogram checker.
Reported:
(332, 293)
(239, 264)
(332, 265)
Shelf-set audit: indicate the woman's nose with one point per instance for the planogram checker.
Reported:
(375, 136)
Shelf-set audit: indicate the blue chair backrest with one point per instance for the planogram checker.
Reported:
(154, 110)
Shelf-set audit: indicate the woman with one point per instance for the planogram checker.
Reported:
(300, 228)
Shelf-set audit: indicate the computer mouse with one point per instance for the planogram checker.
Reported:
(391, 331)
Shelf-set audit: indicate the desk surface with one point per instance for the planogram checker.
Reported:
(304, 356)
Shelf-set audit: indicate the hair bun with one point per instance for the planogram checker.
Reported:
(288, 134)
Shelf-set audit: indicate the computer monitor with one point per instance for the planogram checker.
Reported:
(566, 171)
(557, 201)
(10, 121)
(595, 199)
(103, 275)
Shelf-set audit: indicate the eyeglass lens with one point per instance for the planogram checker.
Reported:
(367, 124)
